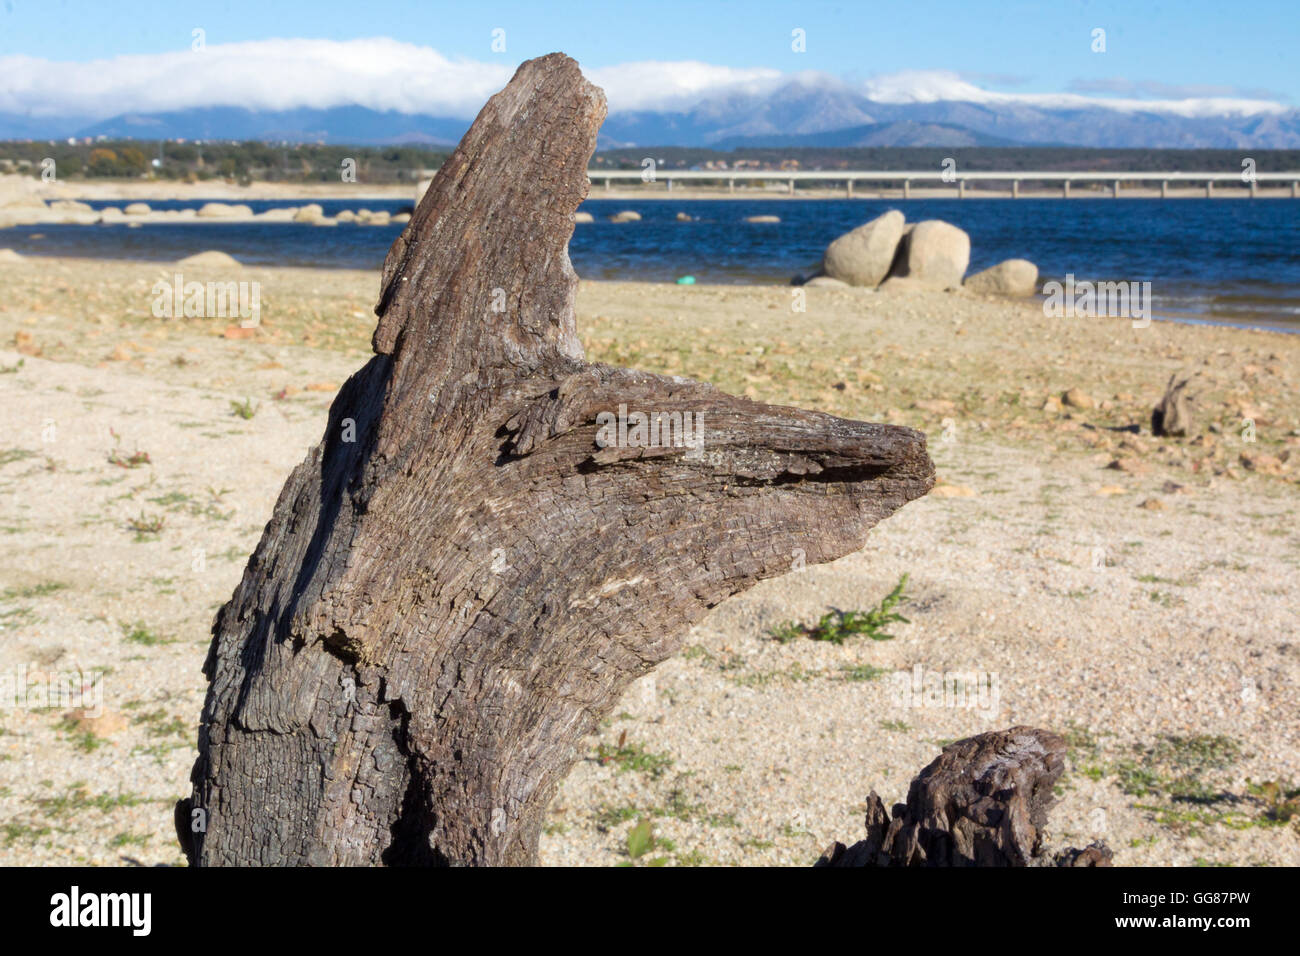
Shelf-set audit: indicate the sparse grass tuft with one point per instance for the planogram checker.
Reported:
(84, 740)
(633, 756)
(245, 409)
(1177, 767)
(139, 633)
(1281, 801)
(838, 626)
(35, 590)
(862, 672)
(133, 460)
(146, 526)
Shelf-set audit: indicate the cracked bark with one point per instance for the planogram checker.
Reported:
(439, 610)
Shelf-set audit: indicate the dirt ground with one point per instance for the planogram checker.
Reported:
(1136, 594)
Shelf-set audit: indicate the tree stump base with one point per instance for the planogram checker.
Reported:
(982, 802)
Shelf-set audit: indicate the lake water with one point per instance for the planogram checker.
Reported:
(1233, 260)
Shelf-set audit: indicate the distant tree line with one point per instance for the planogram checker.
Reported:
(300, 163)
(238, 161)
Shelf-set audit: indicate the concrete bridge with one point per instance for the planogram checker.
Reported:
(956, 179)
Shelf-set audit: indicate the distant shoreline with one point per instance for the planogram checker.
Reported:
(215, 190)
(129, 190)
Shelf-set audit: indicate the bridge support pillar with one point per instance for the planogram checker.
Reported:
(1015, 189)
(1209, 189)
(606, 185)
(670, 185)
(792, 187)
(1115, 194)
(731, 185)
(1065, 189)
(1295, 190)
(1164, 189)
(907, 189)
(1254, 189)
(961, 189)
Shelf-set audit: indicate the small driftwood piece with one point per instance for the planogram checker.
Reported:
(982, 802)
(1171, 417)
(467, 572)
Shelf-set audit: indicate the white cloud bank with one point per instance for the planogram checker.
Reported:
(386, 74)
(932, 86)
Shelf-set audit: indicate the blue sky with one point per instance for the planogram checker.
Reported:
(1153, 50)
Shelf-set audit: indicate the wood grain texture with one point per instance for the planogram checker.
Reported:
(440, 609)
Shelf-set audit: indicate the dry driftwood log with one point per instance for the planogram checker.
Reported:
(1172, 417)
(982, 802)
(465, 574)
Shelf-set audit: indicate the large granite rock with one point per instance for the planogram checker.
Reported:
(863, 256)
(934, 253)
(1013, 277)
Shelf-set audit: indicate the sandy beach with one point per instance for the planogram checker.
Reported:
(1139, 595)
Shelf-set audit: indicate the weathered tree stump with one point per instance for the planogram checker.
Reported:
(1171, 416)
(465, 574)
(982, 802)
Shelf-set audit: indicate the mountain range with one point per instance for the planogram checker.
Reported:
(797, 113)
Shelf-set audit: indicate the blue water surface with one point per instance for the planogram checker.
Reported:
(1231, 259)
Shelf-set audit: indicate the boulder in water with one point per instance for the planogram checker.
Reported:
(221, 210)
(934, 253)
(583, 217)
(627, 215)
(863, 256)
(137, 209)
